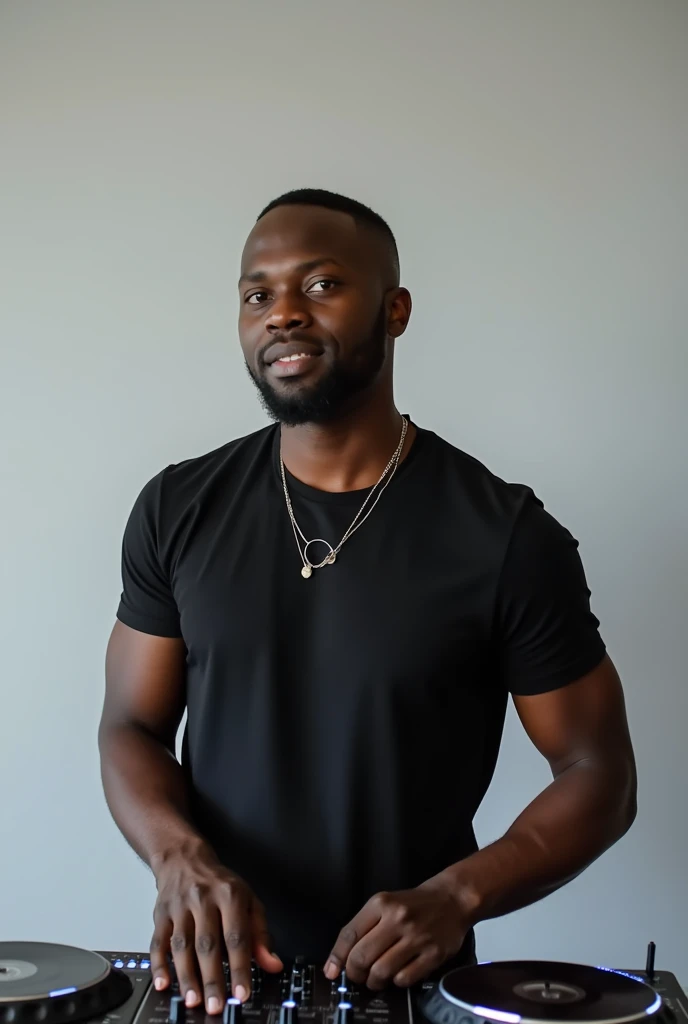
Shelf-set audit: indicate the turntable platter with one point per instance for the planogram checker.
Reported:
(540, 992)
(40, 981)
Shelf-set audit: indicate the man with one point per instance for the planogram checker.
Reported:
(343, 602)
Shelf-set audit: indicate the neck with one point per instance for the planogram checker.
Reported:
(348, 454)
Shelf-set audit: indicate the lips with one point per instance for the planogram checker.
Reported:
(291, 358)
(294, 365)
(284, 351)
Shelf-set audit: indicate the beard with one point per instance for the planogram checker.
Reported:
(335, 390)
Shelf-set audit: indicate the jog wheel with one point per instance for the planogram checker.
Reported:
(42, 983)
(542, 992)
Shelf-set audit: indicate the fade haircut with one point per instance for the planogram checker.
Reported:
(333, 201)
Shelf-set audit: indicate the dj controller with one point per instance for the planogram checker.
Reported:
(41, 983)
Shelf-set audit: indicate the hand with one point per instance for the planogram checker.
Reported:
(400, 936)
(201, 910)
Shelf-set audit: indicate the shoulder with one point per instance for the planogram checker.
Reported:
(486, 500)
(180, 486)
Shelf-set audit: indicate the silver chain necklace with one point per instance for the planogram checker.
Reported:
(387, 474)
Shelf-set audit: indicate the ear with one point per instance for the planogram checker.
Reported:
(399, 311)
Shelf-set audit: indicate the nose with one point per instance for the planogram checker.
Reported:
(287, 314)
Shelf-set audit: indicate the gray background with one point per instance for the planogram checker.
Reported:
(531, 157)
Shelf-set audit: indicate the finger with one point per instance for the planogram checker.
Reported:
(262, 941)
(184, 956)
(209, 945)
(419, 967)
(159, 948)
(236, 928)
(360, 925)
(391, 964)
(372, 960)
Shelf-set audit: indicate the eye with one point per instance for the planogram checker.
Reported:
(255, 298)
(324, 285)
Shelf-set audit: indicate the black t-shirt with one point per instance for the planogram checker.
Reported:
(342, 730)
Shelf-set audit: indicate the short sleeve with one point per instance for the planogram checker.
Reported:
(546, 632)
(147, 603)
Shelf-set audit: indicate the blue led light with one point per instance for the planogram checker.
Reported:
(625, 974)
(233, 1001)
(131, 965)
(342, 988)
(62, 992)
(501, 1015)
(145, 964)
(289, 1004)
(344, 1006)
(655, 1006)
(119, 963)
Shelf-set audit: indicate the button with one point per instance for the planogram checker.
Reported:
(131, 964)
(145, 965)
(177, 1010)
(231, 1013)
(119, 963)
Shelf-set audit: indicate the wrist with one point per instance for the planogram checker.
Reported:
(462, 887)
(181, 848)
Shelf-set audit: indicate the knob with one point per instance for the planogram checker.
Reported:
(289, 1012)
(231, 1013)
(344, 1013)
(177, 1010)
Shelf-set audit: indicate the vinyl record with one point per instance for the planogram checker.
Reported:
(41, 981)
(540, 992)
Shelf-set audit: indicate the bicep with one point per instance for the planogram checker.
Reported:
(585, 719)
(144, 682)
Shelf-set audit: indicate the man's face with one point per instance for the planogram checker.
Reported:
(313, 321)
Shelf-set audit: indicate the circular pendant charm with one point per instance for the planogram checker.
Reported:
(332, 559)
(318, 540)
(306, 572)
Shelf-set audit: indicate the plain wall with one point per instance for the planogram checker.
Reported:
(531, 156)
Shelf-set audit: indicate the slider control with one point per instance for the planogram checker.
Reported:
(289, 1012)
(344, 1013)
(177, 1013)
(231, 1014)
(296, 988)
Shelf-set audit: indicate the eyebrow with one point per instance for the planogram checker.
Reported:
(256, 276)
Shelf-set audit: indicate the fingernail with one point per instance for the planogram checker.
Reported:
(214, 1005)
(331, 970)
(159, 983)
(240, 992)
(191, 998)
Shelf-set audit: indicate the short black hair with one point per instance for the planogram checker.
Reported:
(334, 201)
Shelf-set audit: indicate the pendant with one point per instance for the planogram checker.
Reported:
(306, 572)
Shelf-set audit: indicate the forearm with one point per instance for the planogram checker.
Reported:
(147, 793)
(581, 813)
